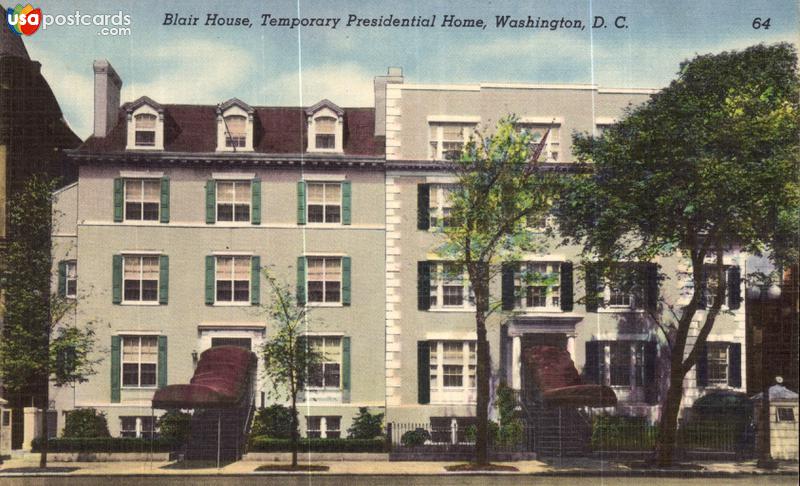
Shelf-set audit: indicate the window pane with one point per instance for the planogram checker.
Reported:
(242, 212)
(243, 192)
(224, 192)
(152, 190)
(132, 289)
(620, 364)
(332, 375)
(132, 267)
(224, 212)
(149, 349)
(315, 375)
(316, 213)
(333, 193)
(326, 141)
(237, 125)
(130, 349)
(133, 210)
(145, 121)
(316, 193)
(315, 291)
(133, 190)
(332, 214)
(241, 269)
(130, 374)
(146, 138)
(333, 269)
(453, 132)
(148, 374)
(332, 291)
(453, 376)
(241, 290)
(224, 290)
(316, 269)
(149, 212)
(224, 267)
(325, 125)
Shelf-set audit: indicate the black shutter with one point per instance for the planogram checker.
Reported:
(702, 366)
(651, 286)
(650, 382)
(423, 285)
(507, 281)
(592, 368)
(735, 365)
(592, 281)
(734, 288)
(423, 372)
(423, 206)
(703, 289)
(566, 287)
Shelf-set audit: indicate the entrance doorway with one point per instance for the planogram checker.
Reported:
(245, 343)
(556, 340)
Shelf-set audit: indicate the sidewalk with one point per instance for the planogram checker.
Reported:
(570, 467)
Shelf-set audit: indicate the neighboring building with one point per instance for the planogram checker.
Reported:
(33, 136)
(430, 324)
(176, 210)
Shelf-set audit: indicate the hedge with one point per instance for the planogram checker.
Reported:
(268, 444)
(106, 444)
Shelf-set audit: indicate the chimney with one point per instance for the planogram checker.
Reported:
(393, 75)
(107, 87)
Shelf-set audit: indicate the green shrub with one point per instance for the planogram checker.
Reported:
(610, 433)
(85, 423)
(415, 438)
(175, 426)
(274, 421)
(365, 425)
(105, 444)
(269, 444)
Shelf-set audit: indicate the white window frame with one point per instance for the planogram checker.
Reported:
(324, 301)
(325, 361)
(141, 257)
(466, 393)
(716, 381)
(325, 112)
(232, 280)
(323, 425)
(437, 289)
(710, 295)
(142, 181)
(138, 425)
(233, 202)
(637, 349)
(325, 204)
(551, 152)
(139, 362)
(222, 131)
(552, 300)
(635, 297)
(145, 109)
(71, 276)
(436, 139)
(438, 203)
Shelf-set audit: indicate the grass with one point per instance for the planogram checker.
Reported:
(290, 468)
(471, 466)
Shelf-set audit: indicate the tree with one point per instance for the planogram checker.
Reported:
(366, 425)
(499, 194)
(35, 347)
(288, 358)
(706, 165)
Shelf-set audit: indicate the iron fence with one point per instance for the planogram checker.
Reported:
(425, 437)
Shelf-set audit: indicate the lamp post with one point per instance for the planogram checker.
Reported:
(765, 294)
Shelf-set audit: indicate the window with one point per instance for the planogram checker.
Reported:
(717, 363)
(440, 205)
(324, 279)
(323, 427)
(324, 202)
(72, 279)
(325, 129)
(326, 374)
(233, 201)
(233, 278)
(140, 278)
(139, 361)
(452, 368)
(785, 414)
(450, 287)
(537, 131)
(137, 426)
(235, 131)
(145, 130)
(621, 363)
(624, 288)
(537, 285)
(711, 285)
(142, 199)
(447, 139)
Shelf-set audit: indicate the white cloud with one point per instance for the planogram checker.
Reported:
(344, 84)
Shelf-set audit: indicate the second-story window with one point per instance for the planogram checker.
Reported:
(447, 139)
(537, 285)
(235, 131)
(325, 137)
(140, 278)
(450, 287)
(71, 288)
(139, 361)
(233, 201)
(233, 278)
(537, 131)
(440, 205)
(324, 202)
(142, 199)
(145, 130)
(325, 279)
(326, 373)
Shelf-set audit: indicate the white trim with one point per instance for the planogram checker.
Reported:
(454, 119)
(438, 87)
(615, 336)
(59, 191)
(318, 254)
(451, 336)
(529, 257)
(138, 333)
(232, 253)
(141, 252)
(140, 174)
(441, 179)
(604, 120)
(231, 325)
(233, 176)
(314, 177)
(544, 120)
(324, 333)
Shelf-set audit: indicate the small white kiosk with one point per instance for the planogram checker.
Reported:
(5, 429)
(783, 425)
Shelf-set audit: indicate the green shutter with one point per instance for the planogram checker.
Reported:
(209, 280)
(423, 285)
(116, 279)
(567, 297)
(165, 200)
(255, 280)
(211, 201)
(62, 278)
(163, 279)
(119, 187)
(255, 194)
(423, 372)
(593, 299)
(423, 206)
(507, 285)
(346, 202)
(301, 280)
(346, 280)
(162, 361)
(301, 202)
(346, 369)
(115, 368)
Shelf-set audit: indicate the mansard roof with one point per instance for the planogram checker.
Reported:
(326, 103)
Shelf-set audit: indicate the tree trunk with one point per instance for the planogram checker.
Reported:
(668, 425)
(44, 441)
(480, 283)
(294, 429)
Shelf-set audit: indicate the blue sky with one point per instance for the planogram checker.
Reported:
(265, 65)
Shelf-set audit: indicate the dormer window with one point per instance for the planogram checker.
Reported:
(145, 125)
(235, 126)
(325, 127)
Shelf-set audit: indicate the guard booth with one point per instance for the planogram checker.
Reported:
(5, 428)
(783, 425)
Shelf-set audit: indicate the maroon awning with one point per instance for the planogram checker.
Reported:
(220, 380)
